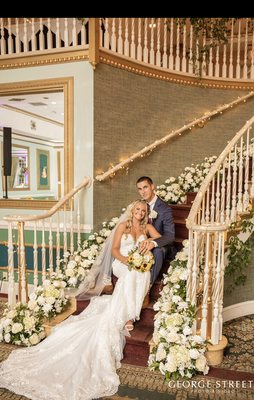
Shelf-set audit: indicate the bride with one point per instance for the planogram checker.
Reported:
(78, 361)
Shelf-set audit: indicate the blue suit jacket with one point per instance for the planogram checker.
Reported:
(164, 223)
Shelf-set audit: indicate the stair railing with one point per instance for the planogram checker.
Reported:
(53, 235)
(224, 197)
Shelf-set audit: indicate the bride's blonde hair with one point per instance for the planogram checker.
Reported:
(130, 210)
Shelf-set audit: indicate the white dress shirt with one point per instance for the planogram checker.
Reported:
(151, 206)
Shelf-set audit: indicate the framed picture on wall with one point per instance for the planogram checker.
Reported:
(43, 169)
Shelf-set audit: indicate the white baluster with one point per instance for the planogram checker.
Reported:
(11, 276)
(84, 40)
(224, 65)
(33, 37)
(35, 256)
(205, 288)
(145, 53)
(65, 236)
(252, 58)
(120, 37)
(210, 63)
(2, 42)
(51, 266)
(223, 194)
(171, 55)
(233, 210)
(184, 60)
(240, 180)
(246, 175)
(217, 63)
(49, 35)
(207, 210)
(43, 253)
(78, 223)
(217, 214)
(228, 190)
(215, 331)
(213, 200)
(221, 293)
(164, 56)
(17, 36)
(158, 52)
(66, 35)
(10, 41)
(151, 58)
(177, 58)
(22, 264)
(74, 32)
(113, 35)
(189, 267)
(58, 243)
(238, 67)
(41, 36)
(126, 38)
(245, 50)
(71, 230)
(191, 53)
(58, 45)
(231, 71)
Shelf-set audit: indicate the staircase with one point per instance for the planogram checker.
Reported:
(136, 350)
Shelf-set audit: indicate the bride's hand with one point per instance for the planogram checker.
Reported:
(145, 246)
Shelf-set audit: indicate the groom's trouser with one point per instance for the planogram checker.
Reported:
(159, 256)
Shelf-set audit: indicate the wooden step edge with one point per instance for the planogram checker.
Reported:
(180, 221)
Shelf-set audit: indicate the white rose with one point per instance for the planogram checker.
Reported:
(201, 364)
(7, 338)
(16, 327)
(34, 339)
(11, 314)
(160, 353)
(194, 353)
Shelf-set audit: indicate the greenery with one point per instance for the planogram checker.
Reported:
(239, 253)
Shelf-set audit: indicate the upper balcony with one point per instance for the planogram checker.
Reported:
(161, 44)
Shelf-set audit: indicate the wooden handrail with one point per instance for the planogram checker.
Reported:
(190, 221)
(87, 181)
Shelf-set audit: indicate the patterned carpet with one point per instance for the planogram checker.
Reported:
(232, 380)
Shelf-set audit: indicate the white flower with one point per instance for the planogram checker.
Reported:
(153, 214)
(34, 339)
(176, 351)
(7, 338)
(16, 327)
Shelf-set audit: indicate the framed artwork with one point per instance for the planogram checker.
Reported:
(43, 169)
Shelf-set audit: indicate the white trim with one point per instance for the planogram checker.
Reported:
(238, 310)
(84, 228)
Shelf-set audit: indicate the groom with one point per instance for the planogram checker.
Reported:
(160, 216)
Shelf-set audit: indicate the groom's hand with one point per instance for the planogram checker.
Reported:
(146, 245)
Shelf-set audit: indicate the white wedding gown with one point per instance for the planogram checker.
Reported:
(78, 361)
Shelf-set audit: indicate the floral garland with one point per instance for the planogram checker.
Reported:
(176, 352)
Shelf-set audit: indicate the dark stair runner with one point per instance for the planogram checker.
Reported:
(136, 350)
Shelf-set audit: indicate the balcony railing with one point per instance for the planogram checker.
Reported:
(161, 43)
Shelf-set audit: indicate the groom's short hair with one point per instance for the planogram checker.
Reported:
(145, 178)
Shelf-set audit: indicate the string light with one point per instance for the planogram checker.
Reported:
(147, 150)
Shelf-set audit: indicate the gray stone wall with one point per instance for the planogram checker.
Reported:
(132, 111)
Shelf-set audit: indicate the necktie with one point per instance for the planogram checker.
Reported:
(149, 210)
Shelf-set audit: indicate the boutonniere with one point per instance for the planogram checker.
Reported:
(153, 214)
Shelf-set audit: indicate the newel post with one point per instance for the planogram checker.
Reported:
(94, 41)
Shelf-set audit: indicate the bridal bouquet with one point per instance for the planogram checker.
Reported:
(140, 262)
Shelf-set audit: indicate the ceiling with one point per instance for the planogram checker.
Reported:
(41, 105)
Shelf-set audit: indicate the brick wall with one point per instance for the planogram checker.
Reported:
(131, 111)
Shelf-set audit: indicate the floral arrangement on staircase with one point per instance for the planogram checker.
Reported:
(23, 325)
(176, 352)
